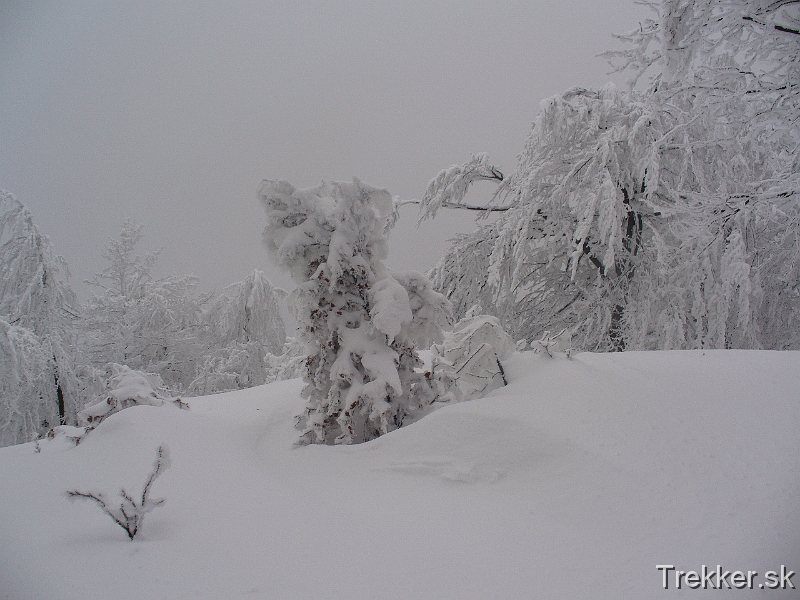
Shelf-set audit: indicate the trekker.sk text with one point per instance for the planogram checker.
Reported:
(718, 579)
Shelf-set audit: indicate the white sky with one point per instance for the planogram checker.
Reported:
(173, 112)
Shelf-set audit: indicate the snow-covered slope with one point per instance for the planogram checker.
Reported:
(574, 481)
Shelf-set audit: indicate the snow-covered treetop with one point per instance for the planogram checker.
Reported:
(589, 155)
(731, 45)
(334, 223)
(127, 272)
(33, 279)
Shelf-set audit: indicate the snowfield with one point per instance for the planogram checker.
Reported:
(574, 481)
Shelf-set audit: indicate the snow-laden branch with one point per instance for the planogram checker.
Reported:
(448, 188)
(455, 206)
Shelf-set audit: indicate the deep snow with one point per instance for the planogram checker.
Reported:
(574, 481)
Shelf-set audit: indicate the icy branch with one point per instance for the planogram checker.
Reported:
(448, 188)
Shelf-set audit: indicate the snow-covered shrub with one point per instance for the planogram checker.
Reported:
(63, 435)
(127, 387)
(552, 345)
(468, 363)
(130, 513)
(356, 319)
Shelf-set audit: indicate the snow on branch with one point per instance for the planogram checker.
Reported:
(468, 364)
(448, 188)
(127, 387)
(130, 513)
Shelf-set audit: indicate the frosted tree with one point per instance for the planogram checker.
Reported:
(28, 398)
(564, 254)
(357, 320)
(35, 296)
(242, 327)
(247, 311)
(660, 218)
(137, 320)
(729, 72)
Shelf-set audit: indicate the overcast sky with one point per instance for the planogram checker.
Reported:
(173, 112)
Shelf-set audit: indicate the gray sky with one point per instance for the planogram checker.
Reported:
(173, 112)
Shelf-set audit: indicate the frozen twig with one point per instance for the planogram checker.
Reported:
(130, 514)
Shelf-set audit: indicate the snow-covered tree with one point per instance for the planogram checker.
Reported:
(564, 253)
(247, 311)
(357, 320)
(729, 72)
(28, 398)
(662, 218)
(145, 323)
(242, 327)
(35, 296)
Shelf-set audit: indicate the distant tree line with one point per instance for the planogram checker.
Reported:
(58, 355)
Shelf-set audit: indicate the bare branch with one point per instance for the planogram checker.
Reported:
(130, 515)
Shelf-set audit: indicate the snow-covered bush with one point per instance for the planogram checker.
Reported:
(356, 319)
(127, 387)
(468, 363)
(552, 345)
(130, 513)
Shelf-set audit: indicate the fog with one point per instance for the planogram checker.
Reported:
(172, 113)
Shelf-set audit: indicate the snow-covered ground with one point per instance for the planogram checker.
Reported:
(574, 481)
